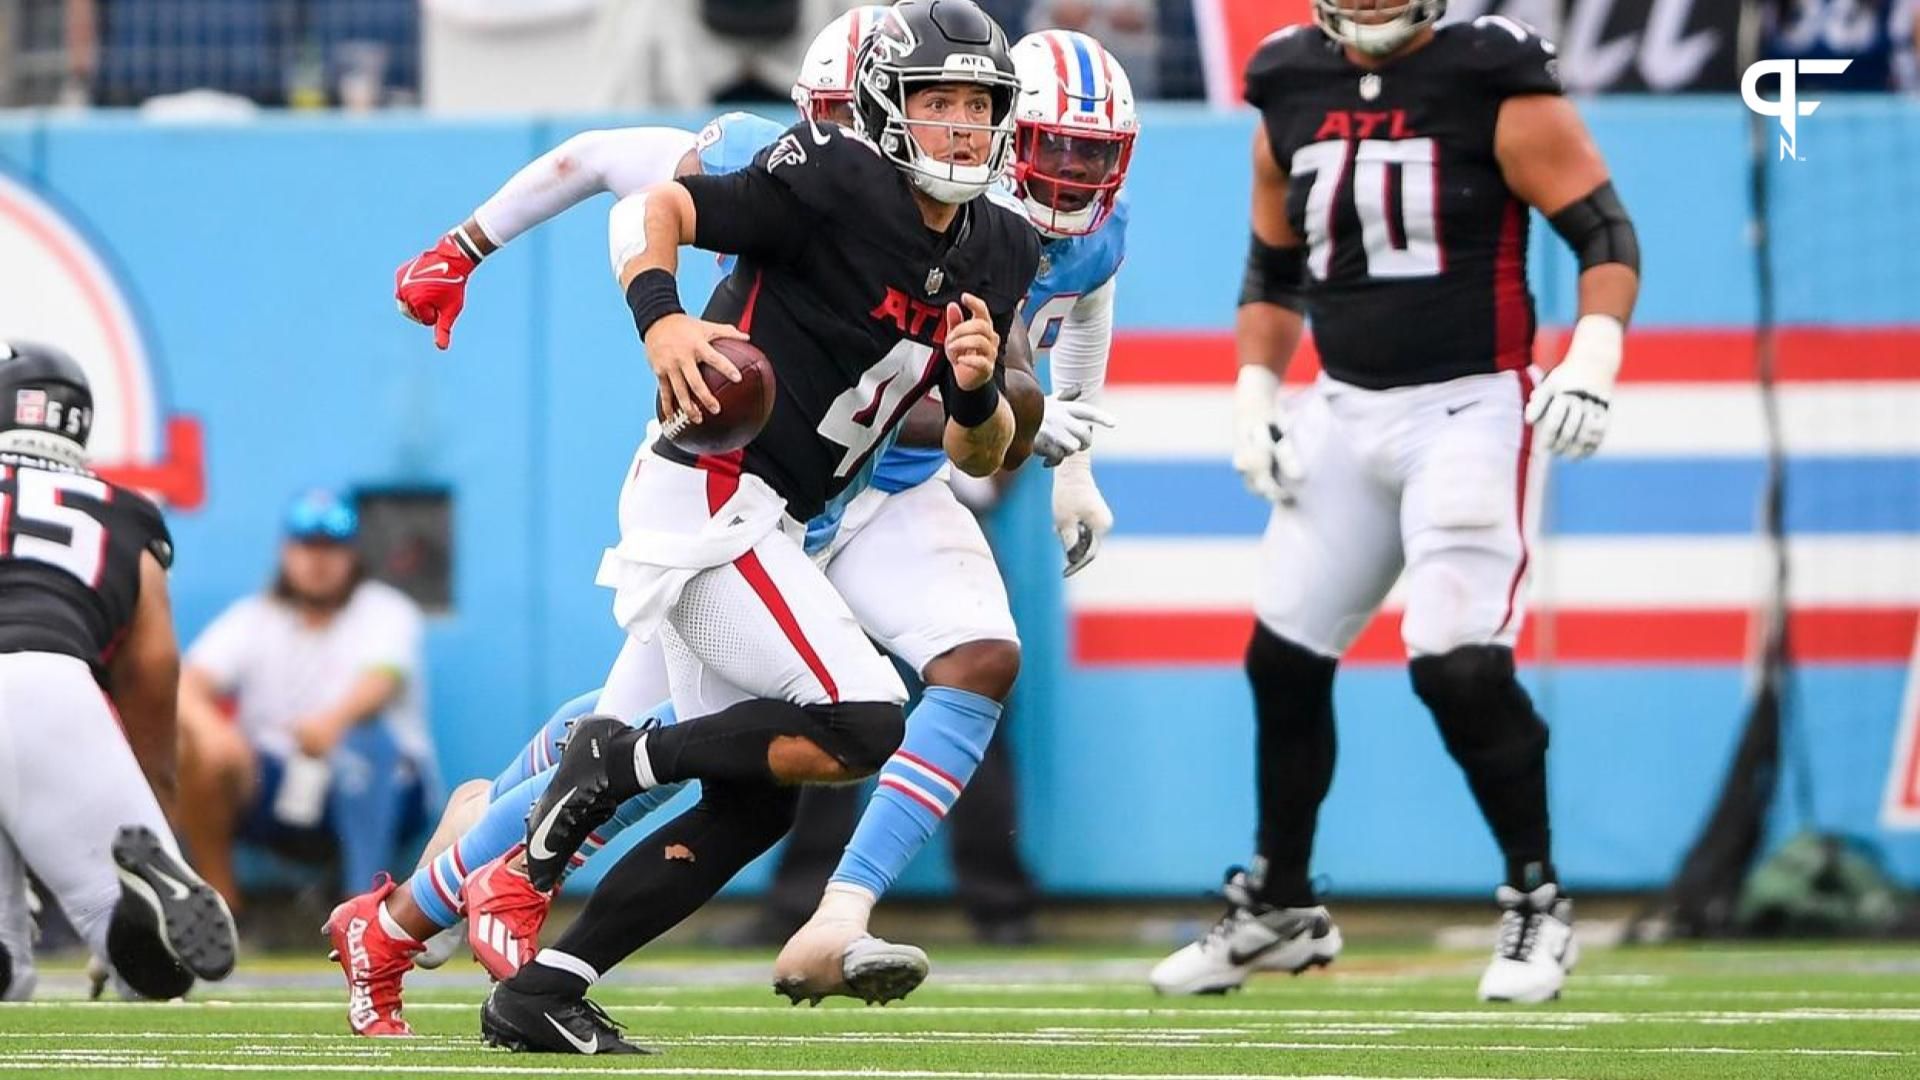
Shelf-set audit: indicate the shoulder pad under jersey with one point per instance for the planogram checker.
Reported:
(830, 168)
(1508, 56)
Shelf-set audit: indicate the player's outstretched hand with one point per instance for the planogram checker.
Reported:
(1066, 427)
(431, 288)
(1081, 517)
(1262, 453)
(1569, 409)
(676, 347)
(973, 346)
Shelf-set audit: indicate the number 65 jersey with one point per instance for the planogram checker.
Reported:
(1416, 249)
(70, 546)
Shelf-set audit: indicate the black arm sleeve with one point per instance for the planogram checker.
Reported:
(1598, 230)
(1275, 275)
(747, 213)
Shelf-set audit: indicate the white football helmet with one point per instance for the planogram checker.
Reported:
(1376, 27)
(826, 73)
(1074, 126)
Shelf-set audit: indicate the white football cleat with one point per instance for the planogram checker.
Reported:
(838, 958)
(1536, 947)
(1250, 937)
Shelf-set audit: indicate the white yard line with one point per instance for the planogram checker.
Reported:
(575, 1070)
(1186, 1014)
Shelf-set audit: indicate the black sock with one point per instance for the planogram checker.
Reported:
(730, 745)
(1488, 724)
(675, 870)
(539, 978)
(1293, 707)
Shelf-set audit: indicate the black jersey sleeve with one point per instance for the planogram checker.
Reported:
(1512, 58)
(1268, 65)
(747, 213)
(156, 540)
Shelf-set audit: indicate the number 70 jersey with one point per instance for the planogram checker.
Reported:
(1416, 249)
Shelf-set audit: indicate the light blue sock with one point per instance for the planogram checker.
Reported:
(436, 889)
(946, 735)
(544, 748)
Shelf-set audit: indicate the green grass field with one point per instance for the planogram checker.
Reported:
(1668, 1013)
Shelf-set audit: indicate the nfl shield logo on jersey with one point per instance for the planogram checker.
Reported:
(935, 278)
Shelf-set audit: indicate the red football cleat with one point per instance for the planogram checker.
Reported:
(504, 916)
(374, 962)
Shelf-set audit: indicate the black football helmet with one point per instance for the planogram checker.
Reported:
(921, 43)
(46, 405)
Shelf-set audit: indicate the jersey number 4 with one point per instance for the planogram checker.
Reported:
(868, 409)
(35, 501)
(1402, 245)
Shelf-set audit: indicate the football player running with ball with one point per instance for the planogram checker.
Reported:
(1393, 170)
(871, 268)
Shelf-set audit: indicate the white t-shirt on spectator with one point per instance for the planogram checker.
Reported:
(279, 670)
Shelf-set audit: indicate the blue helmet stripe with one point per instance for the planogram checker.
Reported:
(1086, 72)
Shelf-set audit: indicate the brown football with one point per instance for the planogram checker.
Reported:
(744, 405)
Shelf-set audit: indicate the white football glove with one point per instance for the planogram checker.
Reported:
(1568, 410)
(1081, 517)
(1262, 453)
(1066, 428)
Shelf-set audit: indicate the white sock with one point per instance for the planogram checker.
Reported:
(846, 902)
(392, 926)
(568, 963)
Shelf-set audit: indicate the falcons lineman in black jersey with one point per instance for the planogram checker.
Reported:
(88, 672)
(872, 267)
(1393, 171)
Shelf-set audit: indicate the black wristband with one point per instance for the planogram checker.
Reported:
(1275, 275)
(971, 408)
(653, 295)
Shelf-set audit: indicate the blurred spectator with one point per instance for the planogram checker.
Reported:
(306, 53)
(327, 750)
(685, 54)
(1125, 27)
(1869, 34)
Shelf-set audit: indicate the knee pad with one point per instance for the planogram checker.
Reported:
(1484, 714)
(141, 959)
(861, 735)
(1289, 680)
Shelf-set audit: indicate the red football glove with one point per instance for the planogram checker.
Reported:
(431, 288)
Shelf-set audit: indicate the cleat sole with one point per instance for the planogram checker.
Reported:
(193, 919)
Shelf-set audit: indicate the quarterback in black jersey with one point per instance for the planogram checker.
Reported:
(872, 268)
(1394, 168)
(87, 646)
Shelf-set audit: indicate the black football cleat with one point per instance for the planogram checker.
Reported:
(165, 904)
(550, 1024)
(577, 801)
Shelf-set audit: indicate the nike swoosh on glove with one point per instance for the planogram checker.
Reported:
(431, 288)
(1081, 517)
(1066, 428)
(1569, 409)
(1262, 453)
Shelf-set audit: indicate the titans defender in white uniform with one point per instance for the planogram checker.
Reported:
(1393, 171)
(872, 538)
